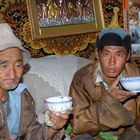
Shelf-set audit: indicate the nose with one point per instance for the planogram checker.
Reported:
(112, 59)
(12, 72)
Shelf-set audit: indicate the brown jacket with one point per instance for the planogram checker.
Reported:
(94, 113)
(29, 129)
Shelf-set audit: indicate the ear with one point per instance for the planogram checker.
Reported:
(26, 68)
(129, 56)
(96, 54)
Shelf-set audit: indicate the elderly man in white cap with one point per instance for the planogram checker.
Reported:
(102, 108)
(17, 109)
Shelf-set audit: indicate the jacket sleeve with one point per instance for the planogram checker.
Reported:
(94, 109)
(137, 122)
(38, 131)
(3, 127)
(30, 128)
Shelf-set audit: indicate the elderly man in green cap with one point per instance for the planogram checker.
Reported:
(102, 109)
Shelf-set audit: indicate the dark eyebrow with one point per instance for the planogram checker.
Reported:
(20, 60)
(2, 62)
(120, 52)
(105, 50)
(5, 61)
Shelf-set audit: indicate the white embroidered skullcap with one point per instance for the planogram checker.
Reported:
(118, 31)
(9, 40)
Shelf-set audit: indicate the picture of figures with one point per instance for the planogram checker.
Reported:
(52, 18)
(134, 28)
(135, 52)
(134, 20)
(64, 12)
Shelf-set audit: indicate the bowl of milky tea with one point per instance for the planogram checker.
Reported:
(58, 103)
(131, 84)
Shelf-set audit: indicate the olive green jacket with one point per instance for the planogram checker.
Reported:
(95, 110)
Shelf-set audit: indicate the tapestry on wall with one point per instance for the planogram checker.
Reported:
(15, 13)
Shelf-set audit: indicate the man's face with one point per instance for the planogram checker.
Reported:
(11, 68)
(112, 60)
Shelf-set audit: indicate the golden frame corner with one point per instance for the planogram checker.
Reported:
(39, 32)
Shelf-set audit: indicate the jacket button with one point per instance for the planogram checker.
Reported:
(77, 116)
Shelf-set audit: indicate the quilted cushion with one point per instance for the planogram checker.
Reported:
(51, 76)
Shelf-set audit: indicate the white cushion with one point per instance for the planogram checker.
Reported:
(51, 76)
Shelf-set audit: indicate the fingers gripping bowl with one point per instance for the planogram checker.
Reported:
(131, 84)
(58, 103)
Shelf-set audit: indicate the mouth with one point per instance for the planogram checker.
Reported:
(111, 70)
(10, 82)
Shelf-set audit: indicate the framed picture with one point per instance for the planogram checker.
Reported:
(135, 52)
(132, 19)
(132, 25)
(51, 18)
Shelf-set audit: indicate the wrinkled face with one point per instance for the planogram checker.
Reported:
(112, 60)
(11, 68)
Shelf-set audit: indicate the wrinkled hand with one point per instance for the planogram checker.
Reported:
(59, 119)
(119, 94)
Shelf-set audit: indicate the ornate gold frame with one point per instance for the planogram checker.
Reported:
(47, 32)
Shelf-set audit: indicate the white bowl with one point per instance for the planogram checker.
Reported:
(131, 83)
(58, 103)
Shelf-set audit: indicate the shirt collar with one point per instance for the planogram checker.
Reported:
(18, 89)
(13, 119)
